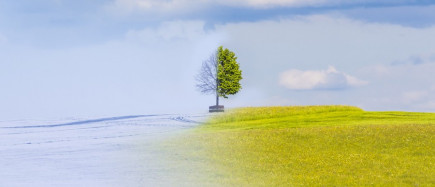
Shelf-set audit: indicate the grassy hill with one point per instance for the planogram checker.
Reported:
(314, 145)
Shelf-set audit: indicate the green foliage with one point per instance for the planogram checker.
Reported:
(312, 146)
(229, 74)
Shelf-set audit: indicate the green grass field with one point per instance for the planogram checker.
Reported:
(313, 145)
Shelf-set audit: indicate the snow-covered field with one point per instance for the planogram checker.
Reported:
(112, 151)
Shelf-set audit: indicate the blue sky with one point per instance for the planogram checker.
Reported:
(63, 58)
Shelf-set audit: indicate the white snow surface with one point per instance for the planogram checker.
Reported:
(110, 151)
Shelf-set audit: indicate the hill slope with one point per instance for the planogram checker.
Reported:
(315, 145)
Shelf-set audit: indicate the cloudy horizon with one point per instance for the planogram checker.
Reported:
(63, 58)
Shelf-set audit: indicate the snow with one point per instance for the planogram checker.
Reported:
(109, 151)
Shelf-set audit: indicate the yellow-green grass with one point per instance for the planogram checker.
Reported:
(305, 116)
(313, 145)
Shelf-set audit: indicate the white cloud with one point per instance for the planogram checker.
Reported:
(174, 6)
(407, 66)
(402, 86)
(416, 59)
(150, 5)
(169, 31)
(322, 79)
(272, 3)
(177, 6)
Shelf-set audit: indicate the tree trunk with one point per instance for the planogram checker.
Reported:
(217, 99)
(217, 86)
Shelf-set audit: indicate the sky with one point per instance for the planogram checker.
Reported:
(61, 58)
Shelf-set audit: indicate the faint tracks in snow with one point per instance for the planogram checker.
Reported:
(83, 122)
(184, 119)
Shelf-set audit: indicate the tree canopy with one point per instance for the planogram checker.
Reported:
(229, 74)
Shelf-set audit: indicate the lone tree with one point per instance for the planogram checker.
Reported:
(220, 75)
